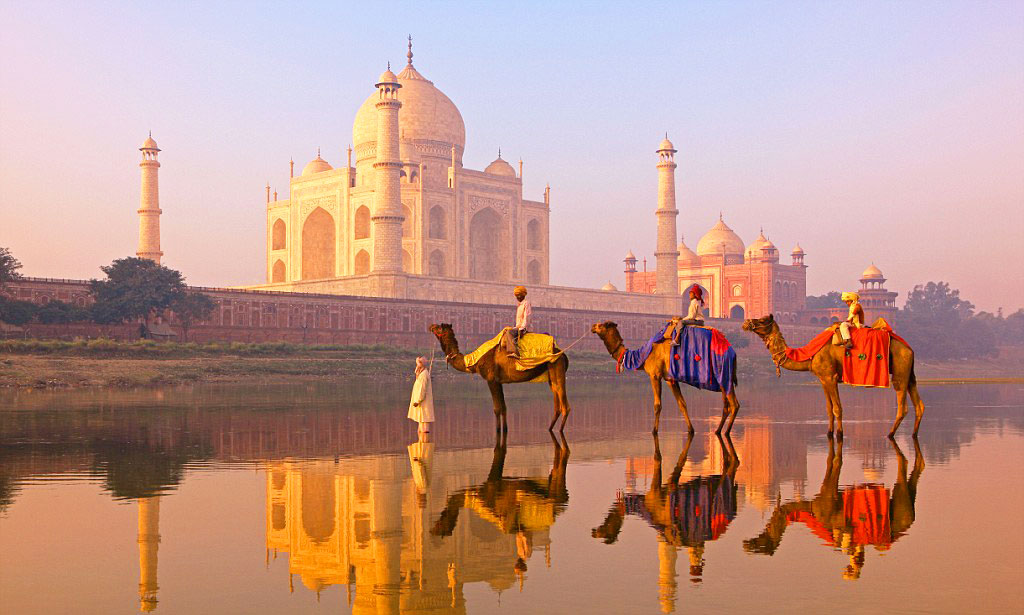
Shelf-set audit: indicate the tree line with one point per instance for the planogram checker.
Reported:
(134, 290)
(939, 324)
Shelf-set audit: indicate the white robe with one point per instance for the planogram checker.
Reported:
(422, 393)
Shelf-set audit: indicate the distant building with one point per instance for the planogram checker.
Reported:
(737, 282)
(877, 301)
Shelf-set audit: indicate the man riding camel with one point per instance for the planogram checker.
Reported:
(695, 315)
(855, 317)
(524, 317)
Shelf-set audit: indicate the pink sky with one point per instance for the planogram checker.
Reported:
(881, 132)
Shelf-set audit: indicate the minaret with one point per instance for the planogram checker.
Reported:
(149, 208)
(149, 544)
(667, 253)
(387, 208)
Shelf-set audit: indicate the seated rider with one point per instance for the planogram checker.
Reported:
(695, 315)
(524, 313)
(855, 318)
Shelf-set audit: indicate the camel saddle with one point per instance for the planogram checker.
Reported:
(837, 338)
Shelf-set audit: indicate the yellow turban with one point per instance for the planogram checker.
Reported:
(851, 297)
(519, 289)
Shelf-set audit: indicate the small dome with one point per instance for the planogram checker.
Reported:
(720, 239)
(629, 256)
(388, 77)
(872, 273)
(665, 144)
(609, 286)
(687, 257)
(797, 251)
(500, 167)
(149, 143)
(317, 165)
(754, 249)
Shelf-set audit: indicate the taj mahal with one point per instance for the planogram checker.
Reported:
(402, 218)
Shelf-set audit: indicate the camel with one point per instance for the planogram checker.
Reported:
(827, 365)
(674, 510)
(503, 498)
(657, 368)
(497, 368)
(832, 512)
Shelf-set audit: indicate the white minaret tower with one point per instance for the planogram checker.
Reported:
(387, 206)
(667, 253)
(149, 207)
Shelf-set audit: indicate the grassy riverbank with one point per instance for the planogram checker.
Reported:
(106, 363)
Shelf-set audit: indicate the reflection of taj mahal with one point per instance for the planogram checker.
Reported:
(406, 203)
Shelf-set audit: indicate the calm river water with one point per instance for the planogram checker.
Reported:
(318, 498)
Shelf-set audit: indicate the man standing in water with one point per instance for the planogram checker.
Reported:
(524, 314)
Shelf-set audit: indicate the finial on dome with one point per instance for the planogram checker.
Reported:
(389, 65)
(499, 151)
(318, 151)
(150, 134)
(409, 54)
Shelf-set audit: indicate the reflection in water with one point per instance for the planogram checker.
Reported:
(687, 514)
(851, 518)
(403, 527)
(370, 527)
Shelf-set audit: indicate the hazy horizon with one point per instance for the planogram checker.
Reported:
(871, 132)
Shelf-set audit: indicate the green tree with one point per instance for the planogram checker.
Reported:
(9, 267)
(938, 302)
(15, 312)
(191, 308)
(828, 300)
(59, 312)
(135, 288)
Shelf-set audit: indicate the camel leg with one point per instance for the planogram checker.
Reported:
(837, 406)
(901, 409)
(682, 405)
(566, 409)
(828, 408)
(734, 403)
(656, 389)
(558, 409)
(918, 405)
(498, 397)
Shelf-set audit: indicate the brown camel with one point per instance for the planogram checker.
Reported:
(833, 513)
(497, 368)
(657, 368)
(827, 365)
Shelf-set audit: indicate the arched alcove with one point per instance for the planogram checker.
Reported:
(279, 235)
(362, 223)
(437, 267)
(362, 265)
(533, 273)
(533, 235)
(407, 224)
(438, 223)
(318, 506)
(487, 246)
(318, 245)
(407, 262)
(278, 272)
(737, 313)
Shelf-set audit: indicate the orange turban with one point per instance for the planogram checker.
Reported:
(519, 289)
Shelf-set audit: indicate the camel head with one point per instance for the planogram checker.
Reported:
(609, 530)
(760, 326)
(608, 331)
(446, 335)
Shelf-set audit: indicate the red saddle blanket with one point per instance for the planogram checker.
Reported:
(866, 364)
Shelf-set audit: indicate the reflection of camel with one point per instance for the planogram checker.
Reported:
(850, 518)
(518, 506)
(497, 368)
(827, 365)
(657, 366)
(684, 515)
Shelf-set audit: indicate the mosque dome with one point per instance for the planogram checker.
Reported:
(872, 273)
(500, 167)
(149, 143)
(426, 115)
(387, 77)
(629, 256)
(720, 236)
(687, 257)
(798, 251)
(316, 165)
(609, 286)
(665, 144)
(754, 249)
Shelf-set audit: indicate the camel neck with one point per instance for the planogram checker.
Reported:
(777, 345)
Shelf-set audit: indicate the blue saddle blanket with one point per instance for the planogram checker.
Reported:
(703, 357)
